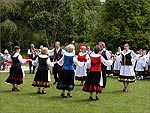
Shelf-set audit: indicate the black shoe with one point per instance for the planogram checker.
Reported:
(13, 89)
(55, 82)
(125, 89)
(63, 95)
(38, 92)
(16, 89)
(43, 92)
(97, 98)
(91, 98)
(69, 94)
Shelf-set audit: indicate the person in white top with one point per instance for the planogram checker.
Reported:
(42, 77)
(127, 74)
(117, 63)
(81, 72)
(66, 81)
(7, 57)
(16, 73)
(88, 50)
(31, 53)
(109, 70)
(94, 81)
(146, 56)
(106, 54)
(57, 54)
(140, 65)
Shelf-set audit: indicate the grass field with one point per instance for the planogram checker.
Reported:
(112, 100)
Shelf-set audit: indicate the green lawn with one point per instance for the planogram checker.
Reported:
(112, 100)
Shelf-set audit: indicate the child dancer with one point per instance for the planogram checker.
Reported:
(67, 79)
(16, 73)
(42, 76)
(94, 81)
(81, 72)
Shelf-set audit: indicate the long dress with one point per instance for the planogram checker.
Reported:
(66, 81)
(16, 72)
(127, 73)
(81, 72)
(94, 81)
(42, 76)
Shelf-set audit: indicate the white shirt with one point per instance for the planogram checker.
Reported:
(21, 60)
(49, 63)
(108, 55)
(51, 52)
(75, 60)
(105, 62)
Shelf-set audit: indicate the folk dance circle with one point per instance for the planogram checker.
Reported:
(91, 68)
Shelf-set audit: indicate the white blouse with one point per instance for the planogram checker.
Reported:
(75, 60)
(133, 55)
(49, 63)
(105, 62)
(21, 60)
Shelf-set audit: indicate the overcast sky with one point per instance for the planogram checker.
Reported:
(102, 0)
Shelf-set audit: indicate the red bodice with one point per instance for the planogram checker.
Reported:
(95, 63)
(82, 58)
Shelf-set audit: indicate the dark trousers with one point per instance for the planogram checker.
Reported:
(104, 75)
(57, 71)
(30, 66)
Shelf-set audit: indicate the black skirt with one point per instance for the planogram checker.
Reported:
(16, 76)
(92, 83)
(83, 78)
(129, 79)
(66, 81)
(41, 79)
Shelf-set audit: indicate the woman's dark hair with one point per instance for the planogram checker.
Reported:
(15, 49)
(96, 49)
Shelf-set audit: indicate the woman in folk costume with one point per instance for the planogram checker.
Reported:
(81, 72)
(16, 73)
(127, 74)
(117, 63)
(140, 65)
(67, 79)
(42, 76)
(146, 56)
(94, 81)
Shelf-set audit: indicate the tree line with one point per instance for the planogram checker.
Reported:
(42, 22)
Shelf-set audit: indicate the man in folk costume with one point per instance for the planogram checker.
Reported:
(127, 74)
(57, 52)
(31, 53)
(107, 56)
